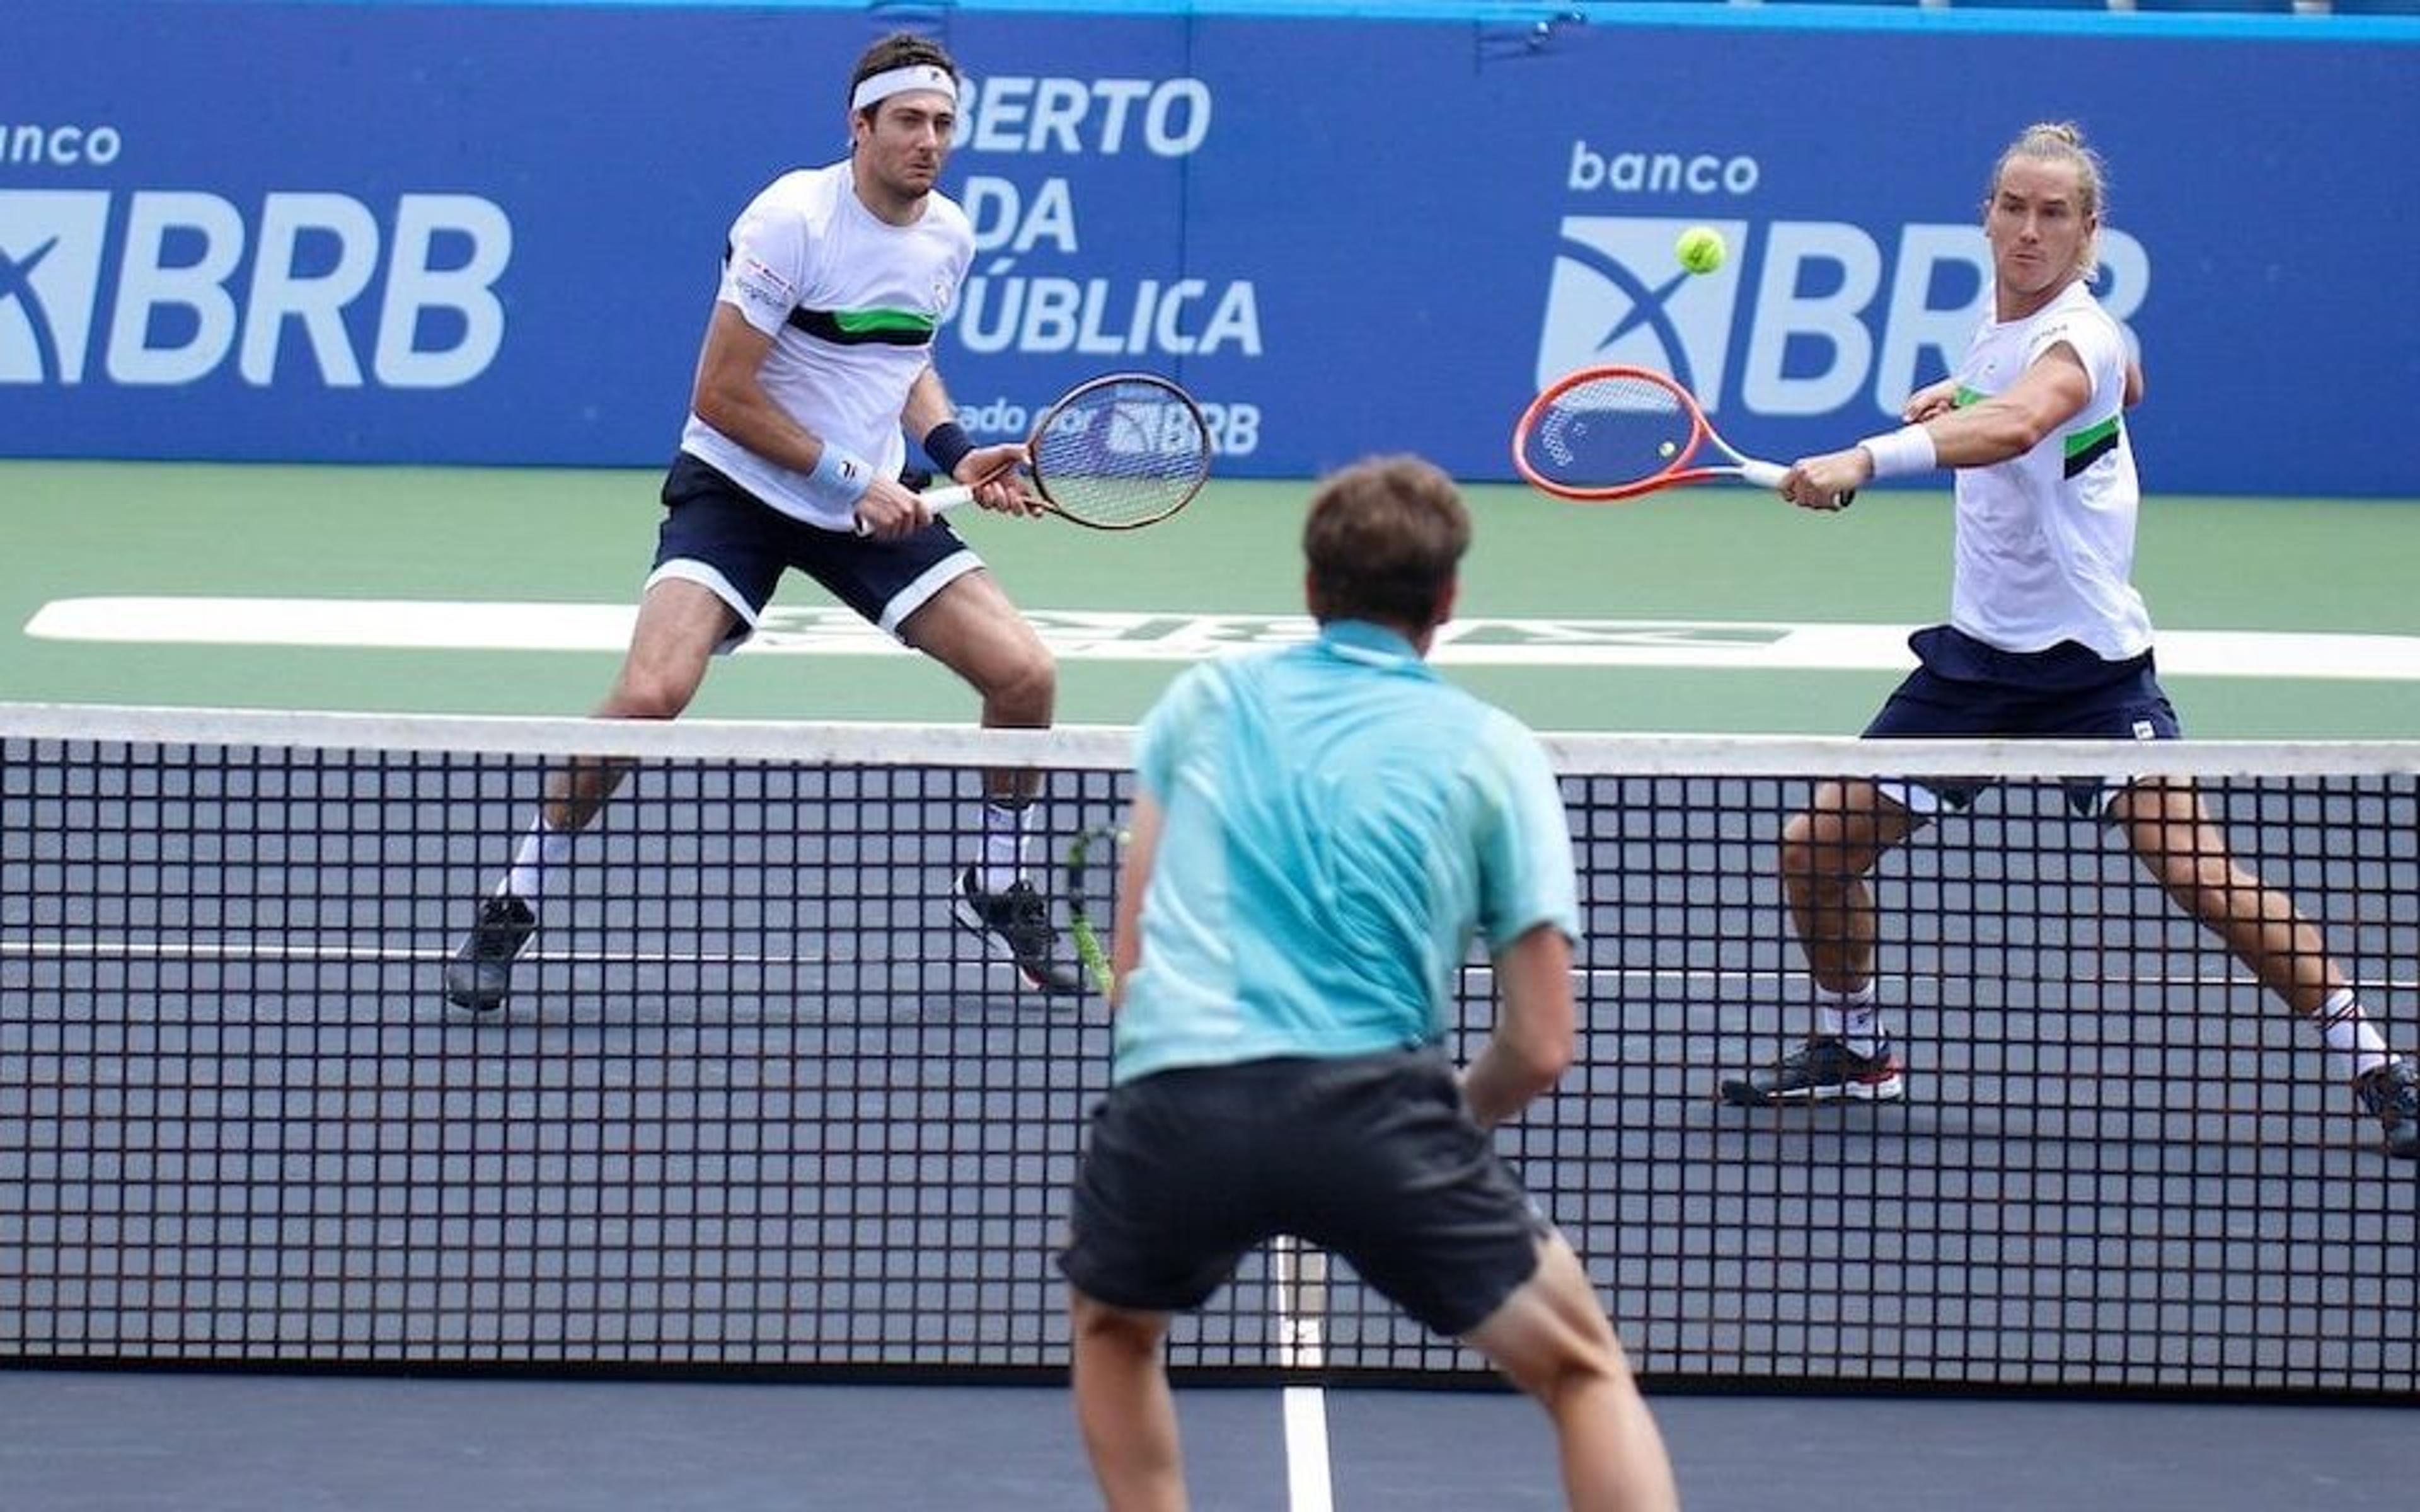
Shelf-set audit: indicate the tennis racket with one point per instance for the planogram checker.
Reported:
(1115, 453)
(1608, 433)
(1091, 883)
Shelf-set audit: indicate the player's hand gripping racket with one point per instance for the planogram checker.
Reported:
(1116, 452)
(1608, 433)
(1090, 893)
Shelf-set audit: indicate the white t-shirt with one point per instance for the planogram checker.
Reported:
(2046, 541)
(852, 303)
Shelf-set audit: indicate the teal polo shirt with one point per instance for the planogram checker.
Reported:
(1340, 823)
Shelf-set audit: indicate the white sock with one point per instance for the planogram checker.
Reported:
(1851, 1017)
(2355, 1048)
(1003, 847)
(542, 850)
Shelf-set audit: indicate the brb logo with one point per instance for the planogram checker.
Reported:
(179, 310)
(1827, 317)
(1618, 295)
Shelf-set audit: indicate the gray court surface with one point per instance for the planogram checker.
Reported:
(85, 1441)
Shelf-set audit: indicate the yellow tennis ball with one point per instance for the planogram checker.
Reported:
(1701, 249)
(1664, 447)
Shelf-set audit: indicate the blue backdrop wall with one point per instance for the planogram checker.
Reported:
(484, 233)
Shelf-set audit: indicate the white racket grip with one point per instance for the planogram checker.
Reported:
(1761, 474)
(937, 500)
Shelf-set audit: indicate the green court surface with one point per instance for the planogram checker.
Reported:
(1717, 576)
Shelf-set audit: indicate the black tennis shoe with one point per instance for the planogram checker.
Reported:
(2391, 1094)
(1015, 925)
(1823, 1070)
(480, 976)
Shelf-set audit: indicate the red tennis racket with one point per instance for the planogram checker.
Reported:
(1608, 433)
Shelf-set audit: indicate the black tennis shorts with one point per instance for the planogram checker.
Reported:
(1371, 1157)
(1968, 687)
(719, 535)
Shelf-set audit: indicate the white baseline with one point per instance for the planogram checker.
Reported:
(1096, 635)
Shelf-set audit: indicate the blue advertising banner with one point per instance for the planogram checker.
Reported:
(432, 233)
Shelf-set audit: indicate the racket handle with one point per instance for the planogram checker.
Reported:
(938, 501)
(1089, 951)
(1769, 475)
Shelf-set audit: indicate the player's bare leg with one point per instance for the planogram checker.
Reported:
(970, 627)
(1124, 1406)
(1826, 853)
(680, 624)
(1553, 1342)
(2171, 832)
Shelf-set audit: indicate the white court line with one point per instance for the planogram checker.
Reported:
(21, 948)
(48, 949)
(1138, 636)
(1300, 1312)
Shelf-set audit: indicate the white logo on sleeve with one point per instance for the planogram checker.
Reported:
(761, 286)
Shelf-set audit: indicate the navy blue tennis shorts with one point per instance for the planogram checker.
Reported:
(718, 535)
(1968, 687)
(1372, 1158)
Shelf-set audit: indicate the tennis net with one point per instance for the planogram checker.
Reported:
(759, 1105)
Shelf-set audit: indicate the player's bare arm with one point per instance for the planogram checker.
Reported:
(2045, 396)
(2009, 424)
(1140, 847)
(1932, 399)
(730, 396)
(1535, 1028)
(990, 471)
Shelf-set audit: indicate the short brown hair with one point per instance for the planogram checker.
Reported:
(898, 50)
(1383, 543)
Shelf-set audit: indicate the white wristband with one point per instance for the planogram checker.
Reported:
(1897, 453)
(840, 478)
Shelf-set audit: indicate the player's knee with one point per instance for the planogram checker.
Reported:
(1811, 851)
(1027, 681)
(1099, 1325)
(1573, 1364)
(647, 694)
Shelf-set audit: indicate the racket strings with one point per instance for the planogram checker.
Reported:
(1123, 453)
(1605, 432)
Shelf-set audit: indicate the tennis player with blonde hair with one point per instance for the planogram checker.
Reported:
(2047, 637)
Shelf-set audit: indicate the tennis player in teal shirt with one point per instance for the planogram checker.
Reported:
(1339, 794)
(1319, 833)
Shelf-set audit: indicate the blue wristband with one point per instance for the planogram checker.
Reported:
(840, 478)
(948, 444)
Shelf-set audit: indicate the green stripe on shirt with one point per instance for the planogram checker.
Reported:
(2090, 445)
(855, 328)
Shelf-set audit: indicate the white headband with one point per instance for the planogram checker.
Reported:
(881, 86)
